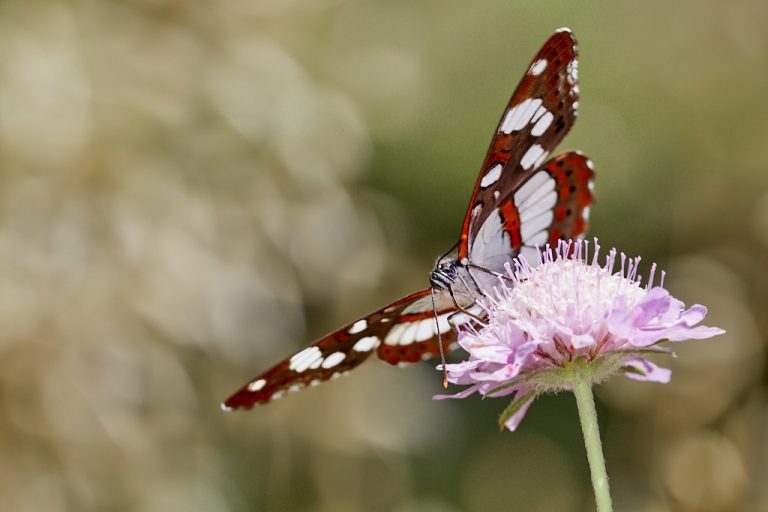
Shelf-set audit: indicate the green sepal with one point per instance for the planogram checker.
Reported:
(518, 402)
(634, 370)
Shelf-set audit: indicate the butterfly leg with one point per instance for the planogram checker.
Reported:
(462, 308)
(471, 266)
(440, 339)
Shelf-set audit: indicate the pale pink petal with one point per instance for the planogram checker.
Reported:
(695, 314)
(582, 340)
(650, 371)
(464, 393)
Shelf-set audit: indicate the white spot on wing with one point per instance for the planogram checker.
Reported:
(425, 330)
(534, 225)
(310, 357)
(443, 324)
(520, 115)
(491, 240)
(543, 200)
(334, 359)
(491, 176)
(394, 334)
(538, 240)
(421, 330)
(542, 124)
(409, 334)
(366, 344)
(573, 73)
(476, 210)
(257, 385)
(534, 153)
(538, 66)
(541, 159)
(535, 201)
(530, 186)
(358, 326)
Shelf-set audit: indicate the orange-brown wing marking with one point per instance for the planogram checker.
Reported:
(574, 174)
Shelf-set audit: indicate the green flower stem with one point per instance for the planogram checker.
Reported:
(582, 388)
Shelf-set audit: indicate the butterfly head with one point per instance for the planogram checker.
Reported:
(445, 273)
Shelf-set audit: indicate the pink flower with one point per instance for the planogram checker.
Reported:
(569, 314)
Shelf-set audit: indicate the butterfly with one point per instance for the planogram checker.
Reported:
(521, 201)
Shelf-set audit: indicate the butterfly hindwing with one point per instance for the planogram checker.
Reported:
(537, 117)
(552, 203)
(415, 338)
(404, 331)
(573, 173)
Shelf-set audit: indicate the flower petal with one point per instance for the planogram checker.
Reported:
(464, 393)
(645, 370)
(694, 315)
(582, 340)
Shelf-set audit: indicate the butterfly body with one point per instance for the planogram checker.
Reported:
(521, 201)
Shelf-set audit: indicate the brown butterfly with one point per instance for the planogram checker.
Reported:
(521, 201)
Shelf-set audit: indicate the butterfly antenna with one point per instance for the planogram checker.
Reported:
(439, 339)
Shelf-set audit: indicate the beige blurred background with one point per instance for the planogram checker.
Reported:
(189, 191)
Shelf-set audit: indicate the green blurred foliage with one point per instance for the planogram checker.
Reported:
(189, 191)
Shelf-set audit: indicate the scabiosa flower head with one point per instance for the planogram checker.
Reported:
(568, 317)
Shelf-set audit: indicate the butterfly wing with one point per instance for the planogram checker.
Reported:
(537, 117)
(552, 203)
(403, 332)
(499, 223)
(414, 337)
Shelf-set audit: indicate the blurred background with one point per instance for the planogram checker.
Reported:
(190, 191)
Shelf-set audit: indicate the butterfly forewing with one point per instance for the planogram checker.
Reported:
(537, 117)
(403, 332)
